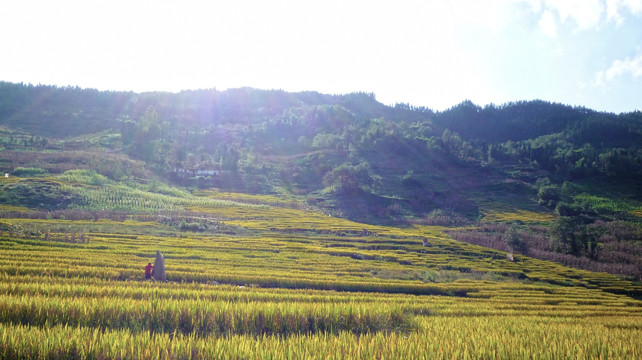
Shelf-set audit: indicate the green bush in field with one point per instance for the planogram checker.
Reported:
(514, 238)
(548, 195)
(84, 176)
(28, 171)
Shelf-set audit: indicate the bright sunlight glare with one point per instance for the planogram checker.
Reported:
(432, 53)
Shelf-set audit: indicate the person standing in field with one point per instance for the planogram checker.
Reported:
(148, 271)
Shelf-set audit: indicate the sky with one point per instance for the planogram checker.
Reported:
(432, 53)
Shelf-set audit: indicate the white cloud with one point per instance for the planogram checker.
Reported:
(619, 68)
(586, 14)
(547, 24)
(634, 5)
(582, 14)
(614, 8)
(536, 5)
(578, 14)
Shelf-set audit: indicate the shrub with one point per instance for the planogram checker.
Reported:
(514, 238)
(28, 171)
(84, 176)
(191, 226)
(566, 209)
(548, 195)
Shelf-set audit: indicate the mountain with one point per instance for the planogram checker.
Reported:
(310, 143)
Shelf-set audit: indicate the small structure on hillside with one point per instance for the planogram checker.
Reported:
(510, 257)
(159, 267)
(426, 243)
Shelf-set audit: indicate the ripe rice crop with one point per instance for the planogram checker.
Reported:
(293, 284)
(203, 317)
(437, 338)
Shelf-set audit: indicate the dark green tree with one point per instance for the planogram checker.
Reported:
(571, 235)
(514, 238)
(348, 178)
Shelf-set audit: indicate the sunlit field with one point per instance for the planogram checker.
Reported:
(258, 277)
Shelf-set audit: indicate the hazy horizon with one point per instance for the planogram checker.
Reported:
(434, 54)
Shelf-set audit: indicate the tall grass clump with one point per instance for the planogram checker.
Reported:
(84, 176)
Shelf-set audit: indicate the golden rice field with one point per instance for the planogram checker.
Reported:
(67, 317)
(288, 283)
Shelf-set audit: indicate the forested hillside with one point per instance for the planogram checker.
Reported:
(411, 159)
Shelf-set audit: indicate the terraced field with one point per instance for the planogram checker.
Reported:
(262, 277)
